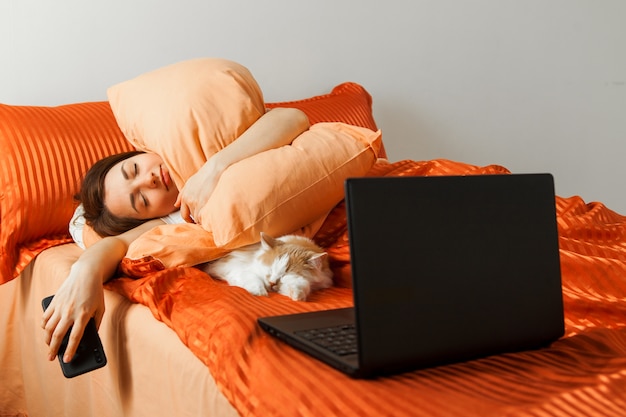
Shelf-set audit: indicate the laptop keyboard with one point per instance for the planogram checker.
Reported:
(341, 340)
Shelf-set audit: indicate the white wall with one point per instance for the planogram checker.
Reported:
(534, 85)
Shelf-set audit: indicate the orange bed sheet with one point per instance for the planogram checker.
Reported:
(584, 373)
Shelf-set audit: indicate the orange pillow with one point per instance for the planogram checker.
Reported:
(284, 189)
(187, 111)
(44, 153)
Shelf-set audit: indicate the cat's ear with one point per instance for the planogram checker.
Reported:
(317, 260)
(268, 242)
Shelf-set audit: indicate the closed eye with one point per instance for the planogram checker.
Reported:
(123, 169)
(134, 170)
(133, 201)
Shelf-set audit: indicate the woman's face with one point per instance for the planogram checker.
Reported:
(140, 187)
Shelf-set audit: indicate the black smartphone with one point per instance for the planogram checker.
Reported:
(89, 355)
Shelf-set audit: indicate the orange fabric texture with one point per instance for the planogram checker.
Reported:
(583, 373)
(44, 152)
(188, 111)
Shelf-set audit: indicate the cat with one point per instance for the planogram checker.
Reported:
(290, 265)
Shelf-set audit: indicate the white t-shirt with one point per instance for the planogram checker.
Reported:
(77, 224)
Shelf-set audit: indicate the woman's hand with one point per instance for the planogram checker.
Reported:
(80, 297)
(198, 189)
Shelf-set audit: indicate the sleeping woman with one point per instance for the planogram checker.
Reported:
(126, 195)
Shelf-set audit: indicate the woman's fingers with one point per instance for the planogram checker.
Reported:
(46, 316)
(49, 325)
(188, 206)
(72, 344)
(185, 213)
(55, 332)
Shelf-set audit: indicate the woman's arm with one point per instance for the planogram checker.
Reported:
(81, 296)
(274, 129)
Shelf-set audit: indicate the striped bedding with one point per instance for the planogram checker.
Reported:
(584, 373)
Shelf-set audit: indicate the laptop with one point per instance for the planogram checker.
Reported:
(444, 269)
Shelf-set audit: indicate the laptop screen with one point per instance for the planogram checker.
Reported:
(453, 267)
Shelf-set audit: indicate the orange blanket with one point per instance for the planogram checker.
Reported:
(584, 373)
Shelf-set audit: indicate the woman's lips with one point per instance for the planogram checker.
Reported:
(165, 178)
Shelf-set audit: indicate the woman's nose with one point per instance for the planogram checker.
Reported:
(149, 180)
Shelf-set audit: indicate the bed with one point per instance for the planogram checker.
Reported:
(180, 343)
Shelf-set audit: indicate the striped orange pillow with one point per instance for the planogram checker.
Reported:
(44, 152)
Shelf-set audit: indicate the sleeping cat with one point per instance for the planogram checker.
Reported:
(290, 265)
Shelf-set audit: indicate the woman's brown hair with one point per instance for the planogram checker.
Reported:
(91, 195)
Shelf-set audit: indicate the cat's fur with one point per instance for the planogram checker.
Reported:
(290, 265)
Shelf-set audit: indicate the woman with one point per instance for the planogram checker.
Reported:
(133, 195)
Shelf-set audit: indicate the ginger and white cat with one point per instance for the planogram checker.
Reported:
(290, 265)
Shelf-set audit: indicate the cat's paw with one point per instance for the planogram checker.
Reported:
(255, 287)
(294, 287)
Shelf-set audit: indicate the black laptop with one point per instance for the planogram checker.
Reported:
(444, 269)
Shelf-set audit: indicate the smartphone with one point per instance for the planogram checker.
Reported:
(89, 355)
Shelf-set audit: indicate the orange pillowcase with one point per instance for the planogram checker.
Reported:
(282, 190)
(44, 153)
